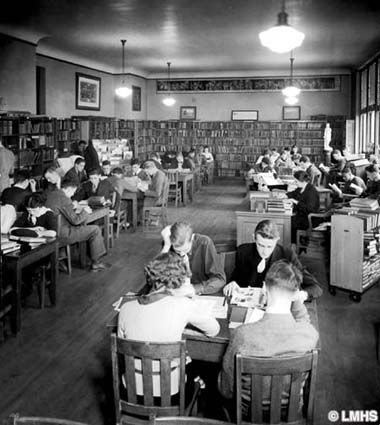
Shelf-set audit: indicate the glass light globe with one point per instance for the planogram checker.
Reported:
(291, 100)
(123, 91)
(168, 101)
(291, 91)
(281, 38)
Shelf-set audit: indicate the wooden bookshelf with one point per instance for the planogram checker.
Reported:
(67, 134)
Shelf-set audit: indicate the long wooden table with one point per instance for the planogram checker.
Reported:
(212, 349)
(132, 197)
(14, 263)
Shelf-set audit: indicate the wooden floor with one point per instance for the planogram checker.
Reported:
(59, 365)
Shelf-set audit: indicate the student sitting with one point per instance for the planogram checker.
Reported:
(353, 185)
(37, 215)
(305, 200)
(18, 194)
(284, 160)
(106, 169)
(373, 183)
(73, 228)
(266, 154)
(154, 196)
(334, 173)
(189, 162)
(156, 158)
(137, 171)
(207, 155)
(161, 314)
(208, 276)
(312, 171)
(77, 174)
(266, 166)
(295, 155)
(52, 180)
(254, 259)
(277, 333)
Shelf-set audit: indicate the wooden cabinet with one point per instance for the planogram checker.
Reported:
(350, 268)
(246, 222)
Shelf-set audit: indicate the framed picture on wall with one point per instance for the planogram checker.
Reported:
(245, 115)
(87, 92)
(291, 112)
(188, 113)
(136, 98)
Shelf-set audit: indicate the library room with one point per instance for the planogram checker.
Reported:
(190, 218)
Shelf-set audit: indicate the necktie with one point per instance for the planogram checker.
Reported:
(261, 266)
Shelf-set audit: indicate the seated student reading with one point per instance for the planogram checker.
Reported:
(38, 215)
(353, 185)
(73, 228)
(106, 169)
(334, 173)
(162, 310)
(284, 160)
(295, 154)
(373, 183)
(305, 200)
(254, 259)
(96, 187)
(277, 333)
(18, 194)
(314, 174)
(154, 196)
(77, 174)
(199, 251)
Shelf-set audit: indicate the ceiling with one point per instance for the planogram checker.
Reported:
(199, 37)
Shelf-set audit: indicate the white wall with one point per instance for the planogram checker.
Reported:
(123, 107)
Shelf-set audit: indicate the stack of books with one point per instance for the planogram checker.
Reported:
(275, 205)
(32, 241)
(8, 246)
(371, 270)
(365, 204)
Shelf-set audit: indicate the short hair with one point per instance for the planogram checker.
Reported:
(106, 162)
(347, 170)
(79, 161)
(267, 151)
(267, 229)
(166, 270)
(94, 172)
(149, 165)
(286, 149)
(304, 159)
(283, 274)
(336, 152)
(372, 168)
(82, 142)
(50, 170)
(180, 233)
(21, 176)
(117, 170)
(154, 155)
(265, 160)
(68, 183)
(301, 176)
(135, 161)
(35, 200)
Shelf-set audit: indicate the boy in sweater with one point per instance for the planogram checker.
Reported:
(278, 333)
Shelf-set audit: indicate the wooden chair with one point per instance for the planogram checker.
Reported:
(133, 402)
(64, 252)
(296, 374)
(152, 215)
(178, 420)
(312, 240)
(118, 220)
(227, 255)
(6, 300)
(175, 191)
(16, 419)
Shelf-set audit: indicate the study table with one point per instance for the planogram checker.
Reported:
(132, 197)
(101, 214)
(14, 263)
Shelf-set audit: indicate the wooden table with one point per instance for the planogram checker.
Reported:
(98, 214)
(212, 349)
(186, 178)
(246, 222)
(16, 261)
(131, 196)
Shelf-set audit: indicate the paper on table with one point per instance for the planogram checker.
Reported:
(212, 305)
(247, 297)
(254, 315)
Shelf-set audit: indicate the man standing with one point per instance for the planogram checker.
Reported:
(73, 228)
(7, 162)
(254, 259)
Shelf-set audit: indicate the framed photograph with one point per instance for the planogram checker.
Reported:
(245, 115)
(291, 112)
(188, 113)
(87, 92)
(136, 98)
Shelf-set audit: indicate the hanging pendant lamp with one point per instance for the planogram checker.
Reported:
(282, 37)
(169, 100)
(291, 90)
(123, 91)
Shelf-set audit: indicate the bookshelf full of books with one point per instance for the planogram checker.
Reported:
(235, 145)
(355, 248)
(67, 135)
(31, 139)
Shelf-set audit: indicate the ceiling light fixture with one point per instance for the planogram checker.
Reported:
(169, 100)
(123, 91)
(291, 91)
(282, 37)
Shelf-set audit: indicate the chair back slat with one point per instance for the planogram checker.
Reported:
(288, 377)
(158, 361)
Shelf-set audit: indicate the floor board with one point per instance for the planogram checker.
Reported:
(59, 365)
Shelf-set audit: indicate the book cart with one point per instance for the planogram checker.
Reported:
(355, 260)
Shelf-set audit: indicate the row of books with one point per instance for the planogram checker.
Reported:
(371, 270)
(67, 135)
(32, 127)
(370, 218)
(8, 246)
(32, 142)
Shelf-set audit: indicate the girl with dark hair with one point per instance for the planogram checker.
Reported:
(305, 200)
(38, 216)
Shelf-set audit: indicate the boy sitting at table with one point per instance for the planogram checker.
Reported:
(277, 333)
(254, 259)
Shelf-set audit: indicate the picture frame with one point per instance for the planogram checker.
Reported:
(245, 115)
(188, 113)
(87, 92)
(291, 112)
(136, 98)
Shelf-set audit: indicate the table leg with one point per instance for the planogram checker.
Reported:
(53, 277)
(134, 213)
(191, 189)
(184, 192)
(15, 275)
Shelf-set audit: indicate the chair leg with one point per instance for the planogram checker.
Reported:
(68, 255)
(42, 288)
